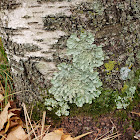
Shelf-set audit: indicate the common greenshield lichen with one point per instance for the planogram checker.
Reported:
(77, 82)
(86, 55)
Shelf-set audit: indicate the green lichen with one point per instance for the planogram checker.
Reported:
(86, 55)
(110, 65)
(130, 61)
(78, 82)
(128, 91)
(123, 102)
(98, 8)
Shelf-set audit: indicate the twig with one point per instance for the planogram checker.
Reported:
(26, 122)
(114, 127)
(31, 112)
(43, 122)
(43, 133)
(14, 93)
(3, 136)
(98, 134)
(30, 133)
(78, 137)
(29, 119)
(114, 135)
(104, 135)
(136, 113)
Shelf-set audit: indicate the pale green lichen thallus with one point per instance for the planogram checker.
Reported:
(78, 82)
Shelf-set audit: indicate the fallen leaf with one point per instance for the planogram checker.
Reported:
(4, 116)
(10, 115)
(13, 122)
(66, 137)
(7, 126)
(16, 111)
(52, 136)
(17, 134)
(57, 135)
(59, 131)
(2, 132)
(3, 137)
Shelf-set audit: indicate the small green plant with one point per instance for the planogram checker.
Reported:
(78, 82)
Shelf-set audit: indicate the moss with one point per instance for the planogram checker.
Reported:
(136, 124)
(125, 87)
(110, 65)
(102, 105)
(105, 103)
(37, 112)
(121, 114)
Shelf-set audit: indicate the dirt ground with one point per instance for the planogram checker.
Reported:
(100, 126)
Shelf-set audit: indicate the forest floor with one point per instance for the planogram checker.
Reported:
(124, 124)
(103, 125)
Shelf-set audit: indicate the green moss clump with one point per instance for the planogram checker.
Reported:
(136, 124)
(37, 112)
(125, 87)
(102, 105)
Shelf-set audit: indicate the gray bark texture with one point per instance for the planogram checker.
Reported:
(35, 32)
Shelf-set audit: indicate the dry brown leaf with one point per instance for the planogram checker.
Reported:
(16, 111)
(13, 122)
(52, 136)
(59, 131)
(66, 137)
(17, 134)
(2, 132)
(4, 116)
(57, 135)
(3, 137)
(1, 97)
(10, 115)
(7, 127)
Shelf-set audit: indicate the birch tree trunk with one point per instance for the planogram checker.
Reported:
(35, 32)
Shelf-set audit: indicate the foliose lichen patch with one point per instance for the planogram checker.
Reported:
(78, 82)
(45, 27)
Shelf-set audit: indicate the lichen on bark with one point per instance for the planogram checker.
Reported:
(35, 34)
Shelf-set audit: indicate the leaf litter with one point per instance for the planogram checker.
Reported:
(12, 127)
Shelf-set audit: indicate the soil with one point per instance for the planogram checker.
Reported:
(100, 126)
